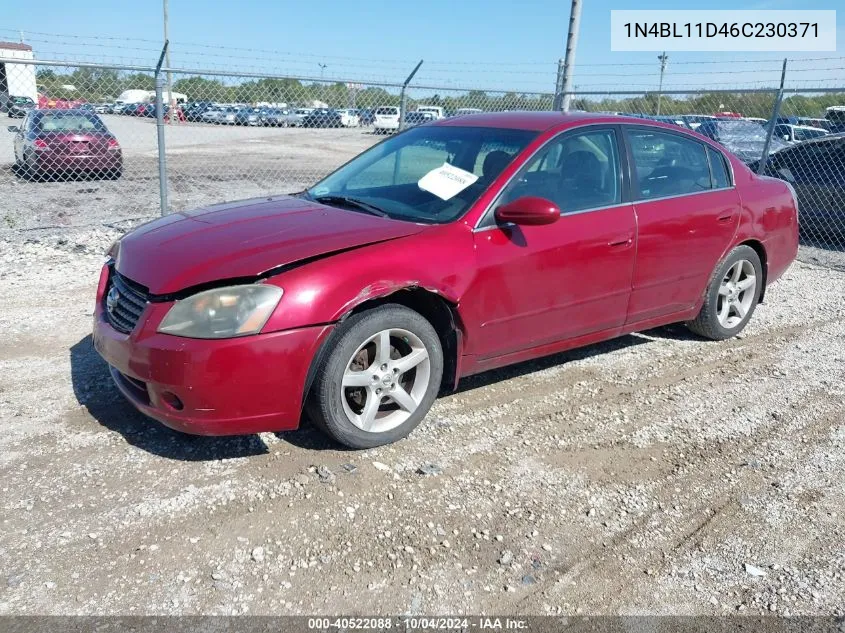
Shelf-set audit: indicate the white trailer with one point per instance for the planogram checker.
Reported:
(16, 80)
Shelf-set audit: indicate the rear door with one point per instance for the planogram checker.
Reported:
(687, 213)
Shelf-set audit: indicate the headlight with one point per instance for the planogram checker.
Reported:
(222, 312)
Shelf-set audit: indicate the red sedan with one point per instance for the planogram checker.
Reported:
(65, 143)
(444, 251)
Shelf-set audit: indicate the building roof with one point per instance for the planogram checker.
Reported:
(15, 46)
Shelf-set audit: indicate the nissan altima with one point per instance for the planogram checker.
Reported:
(446, 250)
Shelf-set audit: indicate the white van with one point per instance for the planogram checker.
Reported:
(386, 119)
(437, 111)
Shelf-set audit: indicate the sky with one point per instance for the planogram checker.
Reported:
(498, 44)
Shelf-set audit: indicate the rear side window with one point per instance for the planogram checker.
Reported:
(718, 169)
(668, 164)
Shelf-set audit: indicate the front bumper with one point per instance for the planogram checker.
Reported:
(237, 386)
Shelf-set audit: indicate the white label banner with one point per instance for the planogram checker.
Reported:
(715, 31)
(446, 181)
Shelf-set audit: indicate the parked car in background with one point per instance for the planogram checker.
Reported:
(835, 116)
(322, 117)
(694, 120)
(349, 118)
(250, 116)
(386, 119)
(211, 115)
(222, 116)
(195, 110)
(465, 111)
(811, 122)
(19, 106)
(816, 170)
(755, 119)
(797, 133)
(436, 111)
(744, 139)
(280, 117)
(418, 118)
(366, 116)
(448, 250)
(65, 143)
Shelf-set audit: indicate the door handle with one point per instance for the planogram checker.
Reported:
(726, 218)
(622, 241)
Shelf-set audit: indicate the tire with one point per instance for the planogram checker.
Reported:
(729, 284)
(347, 413)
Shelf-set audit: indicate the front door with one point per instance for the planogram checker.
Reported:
(539, 284)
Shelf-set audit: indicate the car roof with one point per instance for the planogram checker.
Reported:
(541, 121)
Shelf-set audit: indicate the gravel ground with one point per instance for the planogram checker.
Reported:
(656, 473)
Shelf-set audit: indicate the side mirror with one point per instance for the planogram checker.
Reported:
(13, 128)
(528, 211)
(786, 137)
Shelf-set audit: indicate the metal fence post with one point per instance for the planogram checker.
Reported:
(761, 167)
(162, 157)
(402, 103)
(557, 104)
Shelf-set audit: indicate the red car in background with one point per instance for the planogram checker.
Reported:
(50, 103)
(65, 143)
(447, 250)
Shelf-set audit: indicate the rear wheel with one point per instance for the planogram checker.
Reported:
(379, 377)
(731, 296)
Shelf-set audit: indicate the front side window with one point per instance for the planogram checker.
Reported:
(668, 164)
(576, 171)
(458, 164)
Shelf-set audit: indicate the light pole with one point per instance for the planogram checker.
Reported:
(663, 57)
(322, 70)
(569, 61)
(171, 114)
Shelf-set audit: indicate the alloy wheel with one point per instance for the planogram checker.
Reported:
(385, 380)
(736, 294)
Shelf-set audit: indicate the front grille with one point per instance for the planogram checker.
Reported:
(128, 304)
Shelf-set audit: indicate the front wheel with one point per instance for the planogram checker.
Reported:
(731, 296)
(379, 377)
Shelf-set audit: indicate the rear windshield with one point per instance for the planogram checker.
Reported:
(387, 111)
(71, 121)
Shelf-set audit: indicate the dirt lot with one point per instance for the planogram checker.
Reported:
(656, 473)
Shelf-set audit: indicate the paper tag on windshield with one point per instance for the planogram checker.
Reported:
(446, 181)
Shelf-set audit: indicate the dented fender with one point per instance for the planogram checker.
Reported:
(327, 290)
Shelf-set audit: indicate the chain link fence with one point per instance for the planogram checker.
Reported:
(123, 142)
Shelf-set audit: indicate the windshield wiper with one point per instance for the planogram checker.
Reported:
(352, 202)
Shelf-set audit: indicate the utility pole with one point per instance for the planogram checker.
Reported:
(172, 113)
(569, 60)
(322, 69)
(663, 57)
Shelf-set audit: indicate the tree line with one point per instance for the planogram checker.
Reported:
(97, 85)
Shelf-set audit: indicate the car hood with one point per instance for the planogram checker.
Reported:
(244, 240)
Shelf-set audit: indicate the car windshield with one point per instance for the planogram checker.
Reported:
(70, 121)
(426, 174)
(22, 100)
